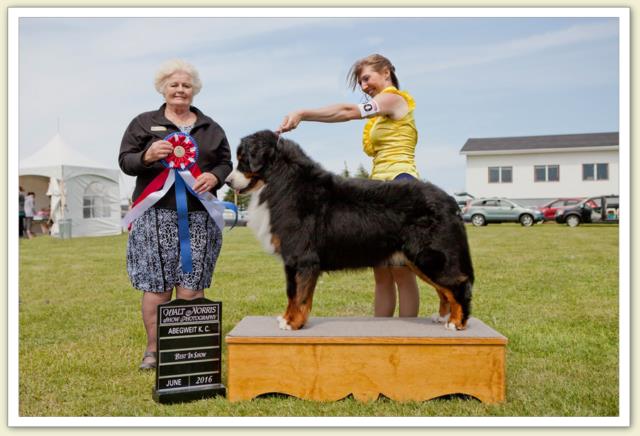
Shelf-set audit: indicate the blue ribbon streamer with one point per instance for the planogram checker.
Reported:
(183, 224)
(234, 208)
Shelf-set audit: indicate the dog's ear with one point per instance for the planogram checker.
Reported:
(261, 147)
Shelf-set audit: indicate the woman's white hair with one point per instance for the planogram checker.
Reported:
(173, 66)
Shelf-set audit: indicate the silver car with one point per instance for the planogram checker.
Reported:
(482, 211)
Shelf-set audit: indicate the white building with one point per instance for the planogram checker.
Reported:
(535, 169)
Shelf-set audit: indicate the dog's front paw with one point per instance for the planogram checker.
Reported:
(283, 324)
(436, 318)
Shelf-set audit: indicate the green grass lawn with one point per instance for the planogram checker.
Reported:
(551, 290)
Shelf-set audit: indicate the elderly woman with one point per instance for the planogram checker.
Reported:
(153, 249)
(389, 137)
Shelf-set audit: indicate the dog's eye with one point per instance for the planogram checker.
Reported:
(242, 156)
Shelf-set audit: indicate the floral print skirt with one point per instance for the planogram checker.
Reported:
(153, 251)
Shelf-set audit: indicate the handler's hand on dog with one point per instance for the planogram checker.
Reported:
(205, 182)
(158, 150)
(290, 122)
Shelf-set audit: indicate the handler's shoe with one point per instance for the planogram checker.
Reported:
(149, 364)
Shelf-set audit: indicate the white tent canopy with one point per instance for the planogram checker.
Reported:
(75, 188)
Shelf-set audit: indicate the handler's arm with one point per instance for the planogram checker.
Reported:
(391, 105)
(385, 104)
(335, 113)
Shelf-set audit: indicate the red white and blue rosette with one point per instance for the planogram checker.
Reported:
(185, 151)
(182, 171)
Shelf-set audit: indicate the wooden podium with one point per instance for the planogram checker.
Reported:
(405, 359)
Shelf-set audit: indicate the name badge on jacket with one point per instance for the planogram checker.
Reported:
(158, 129)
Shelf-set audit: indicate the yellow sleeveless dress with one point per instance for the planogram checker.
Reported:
(392, 143)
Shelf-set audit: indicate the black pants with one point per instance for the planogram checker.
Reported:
(21, 225)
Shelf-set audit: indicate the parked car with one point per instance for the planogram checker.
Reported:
(549, 210)
(230, 218)
(463, 199)
(482, 211)
(602, 209)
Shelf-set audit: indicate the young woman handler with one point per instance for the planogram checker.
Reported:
(390, 137)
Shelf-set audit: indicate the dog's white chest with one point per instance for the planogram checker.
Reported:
(259, 221)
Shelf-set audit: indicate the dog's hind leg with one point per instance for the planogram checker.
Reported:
(301, 284)
(459, 292)
(458, 303)
(455, 321)
(444, 311)
(450, 312)
(454, 292)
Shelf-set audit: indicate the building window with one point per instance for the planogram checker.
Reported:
(506, 174)
(602, 172)
(598, 171)
(494, 174)
(95, 201)
(546, 173)
(500, 174)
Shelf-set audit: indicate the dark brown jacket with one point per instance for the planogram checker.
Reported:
(214, 154)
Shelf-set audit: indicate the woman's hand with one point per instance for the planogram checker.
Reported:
(205, 182)
(158, 150)
(290, 122)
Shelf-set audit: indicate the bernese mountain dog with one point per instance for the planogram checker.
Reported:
(317, 221)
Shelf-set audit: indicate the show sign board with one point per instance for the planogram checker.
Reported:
(189, 351)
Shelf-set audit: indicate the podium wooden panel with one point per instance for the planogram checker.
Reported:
(405, 359)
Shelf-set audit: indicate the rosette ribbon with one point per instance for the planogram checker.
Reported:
(182, 171)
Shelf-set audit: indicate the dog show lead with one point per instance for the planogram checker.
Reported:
(390, 137)
(180, 158)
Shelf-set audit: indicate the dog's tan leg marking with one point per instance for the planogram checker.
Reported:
(455, 320)
(275, 241)
(299, 307)
(283, 320)
(448, 303)
(445, 307)
(444, 310)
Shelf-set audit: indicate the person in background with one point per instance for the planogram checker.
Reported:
(153, 254)
(389, 137)
(29, 212)
(21, 196)
(44, 216)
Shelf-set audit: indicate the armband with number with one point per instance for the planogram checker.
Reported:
(368, 109)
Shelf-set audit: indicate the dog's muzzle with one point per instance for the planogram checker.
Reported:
(239, 182)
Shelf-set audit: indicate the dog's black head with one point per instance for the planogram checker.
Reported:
(256, 151)
(255, 155)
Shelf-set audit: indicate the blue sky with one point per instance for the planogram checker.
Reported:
(471, 77)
